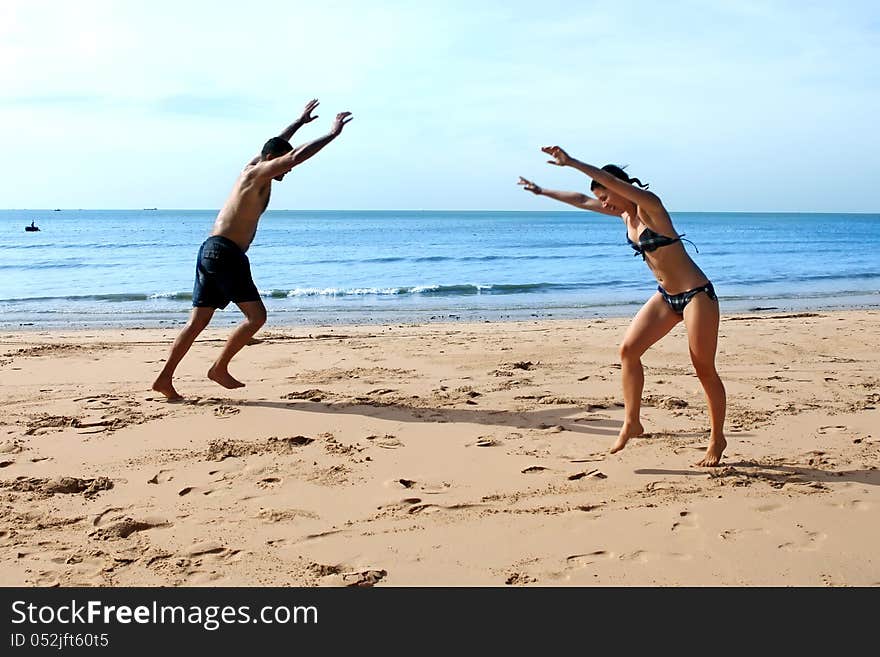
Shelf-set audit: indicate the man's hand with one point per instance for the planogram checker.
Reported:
(560, 157)
(306, 116)
(529, 185)
(341, 119)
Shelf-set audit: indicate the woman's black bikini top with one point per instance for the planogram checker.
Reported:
(650, 241)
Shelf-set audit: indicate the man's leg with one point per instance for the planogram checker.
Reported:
(254, 318)
(198, 320)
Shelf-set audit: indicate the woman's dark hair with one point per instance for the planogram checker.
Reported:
(276, 146)
(617, 172)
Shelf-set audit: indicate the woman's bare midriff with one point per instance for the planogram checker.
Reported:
(674, 269)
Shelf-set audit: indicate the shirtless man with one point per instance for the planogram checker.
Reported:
(223, 272)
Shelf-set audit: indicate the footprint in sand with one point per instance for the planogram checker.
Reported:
(836, 428)
(598, 417)
(205, 547)
(99, 519)
(192, 489)
(360, 578)
(295, 441)
(385, 442)
(312, 537)
(591, 458)
(733, 534)
(403, 504)
(855, 505)
(286, 515)
(61, 485)
(41, 423)
(11, 447)
(314, 395)
(519, 579)
(421, 486)
(224, 410)
(687, 521)
(643, 556)
(419, 508)
(551, 428)
(125, 528)
(809, 543)
(596, 474)
(161, 477)
(581, 560)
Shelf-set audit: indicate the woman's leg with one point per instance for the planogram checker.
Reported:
(701, 317)
(651, 323)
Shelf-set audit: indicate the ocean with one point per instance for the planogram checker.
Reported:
(135, 268)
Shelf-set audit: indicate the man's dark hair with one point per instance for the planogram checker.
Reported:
(276, 146)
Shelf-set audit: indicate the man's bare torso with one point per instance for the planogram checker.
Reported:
(238, 219)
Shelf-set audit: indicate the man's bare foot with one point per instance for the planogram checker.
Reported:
(224, 378)
(627, 431)
(713, 452)
(166, 388)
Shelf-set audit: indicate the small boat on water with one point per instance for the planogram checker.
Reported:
(32, 228)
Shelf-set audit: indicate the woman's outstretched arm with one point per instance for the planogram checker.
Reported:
(576, 199)
(640, 197)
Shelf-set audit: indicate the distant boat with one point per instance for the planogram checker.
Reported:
(32, 228)
(151, 208)
(57, 210)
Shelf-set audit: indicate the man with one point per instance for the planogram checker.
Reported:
(223, 272)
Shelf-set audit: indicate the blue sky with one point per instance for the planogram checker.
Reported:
(727, 105)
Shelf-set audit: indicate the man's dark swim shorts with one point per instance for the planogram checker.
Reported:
(223, 274)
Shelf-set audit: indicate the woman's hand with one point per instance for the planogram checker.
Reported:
(529, 186)
(560, 157)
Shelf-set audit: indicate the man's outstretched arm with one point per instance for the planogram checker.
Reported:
(287, 133)
(283, 164)
(302, 153)
(305, 117)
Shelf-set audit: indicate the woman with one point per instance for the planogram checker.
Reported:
(683, 294)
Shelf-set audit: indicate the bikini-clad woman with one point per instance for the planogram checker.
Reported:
(683, 294)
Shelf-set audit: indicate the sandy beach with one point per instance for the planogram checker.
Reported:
(441, 455)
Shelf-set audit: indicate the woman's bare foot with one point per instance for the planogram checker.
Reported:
(224, 378)
(713, 452)
(627, 431)
(166, 388)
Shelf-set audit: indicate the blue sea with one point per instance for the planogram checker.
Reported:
(136, 267)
